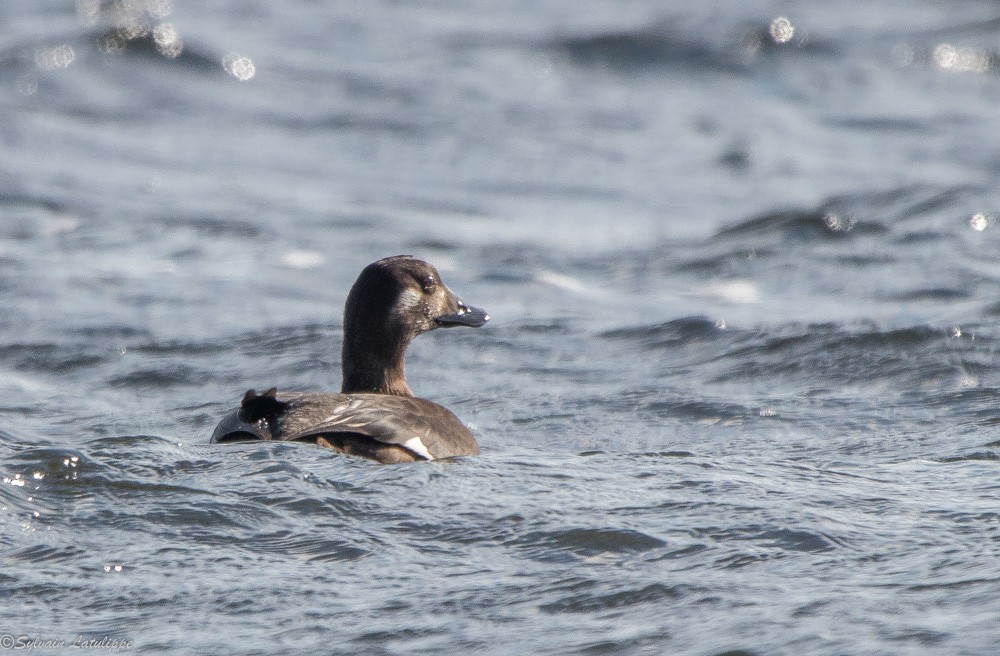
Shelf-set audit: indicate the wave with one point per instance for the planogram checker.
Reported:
(653, 46)
(675, 42)
(676, 332)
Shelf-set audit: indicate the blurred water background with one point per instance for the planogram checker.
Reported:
(739, 395)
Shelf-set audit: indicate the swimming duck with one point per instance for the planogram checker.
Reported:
(375, 415)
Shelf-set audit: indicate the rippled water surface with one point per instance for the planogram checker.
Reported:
(738, 396)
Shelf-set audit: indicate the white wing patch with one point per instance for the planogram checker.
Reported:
(416, 445)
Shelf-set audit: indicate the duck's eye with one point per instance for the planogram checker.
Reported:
(428, 284)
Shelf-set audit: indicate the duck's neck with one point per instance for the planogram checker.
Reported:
(369, 366)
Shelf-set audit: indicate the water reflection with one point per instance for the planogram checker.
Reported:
(48, 59)
(130, 20)
(961, 60)
(239, 66)
(168, 41)
(782, 30)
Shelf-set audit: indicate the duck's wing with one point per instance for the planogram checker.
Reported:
(420, 426)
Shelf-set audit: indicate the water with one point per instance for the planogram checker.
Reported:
(738, 395)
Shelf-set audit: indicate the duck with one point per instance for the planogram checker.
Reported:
(375, 415)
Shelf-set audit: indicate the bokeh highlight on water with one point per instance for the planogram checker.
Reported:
(738, 395)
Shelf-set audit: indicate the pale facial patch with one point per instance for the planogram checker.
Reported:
(417, 446)
(408, 299)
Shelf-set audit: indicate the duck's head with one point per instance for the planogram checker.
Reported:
(393, 301)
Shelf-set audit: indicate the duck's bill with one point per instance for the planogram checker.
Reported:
(465, 316)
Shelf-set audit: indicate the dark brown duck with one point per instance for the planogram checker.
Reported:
(375, 415)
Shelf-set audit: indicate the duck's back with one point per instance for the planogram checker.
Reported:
(382, 427)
